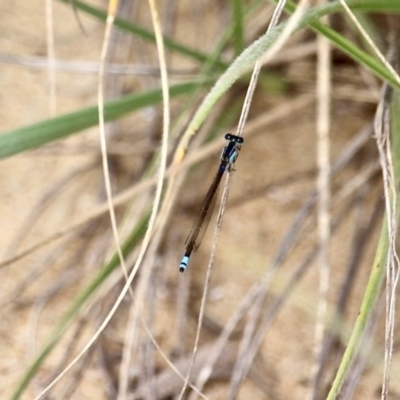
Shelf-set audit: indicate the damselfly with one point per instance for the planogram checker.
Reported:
(228, 157)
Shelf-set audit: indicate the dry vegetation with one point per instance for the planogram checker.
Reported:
(269, 235)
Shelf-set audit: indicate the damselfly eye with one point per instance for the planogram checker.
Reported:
(228, 136)
(239, 139)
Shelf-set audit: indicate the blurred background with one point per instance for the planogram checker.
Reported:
(60, 274)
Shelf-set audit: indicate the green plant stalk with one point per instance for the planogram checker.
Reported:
(70, 315)
(31, 136)
(378, 271)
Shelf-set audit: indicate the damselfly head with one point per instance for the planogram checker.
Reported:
(234, 138)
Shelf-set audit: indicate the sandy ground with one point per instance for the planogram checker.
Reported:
(36, 290)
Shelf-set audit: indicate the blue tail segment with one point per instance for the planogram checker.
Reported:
(184, 263)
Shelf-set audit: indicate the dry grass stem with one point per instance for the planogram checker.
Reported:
(324, 196)
(313, 203)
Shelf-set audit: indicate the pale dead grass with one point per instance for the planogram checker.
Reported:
(252, 230)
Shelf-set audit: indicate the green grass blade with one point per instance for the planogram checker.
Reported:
(143, 33)
(345, 45)
(28, 137)
(357, 54)
(396, 136)
(238, 35)
(378, 270)
(370, 297)
(77, 305)
(382, 6)
(249, 56)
